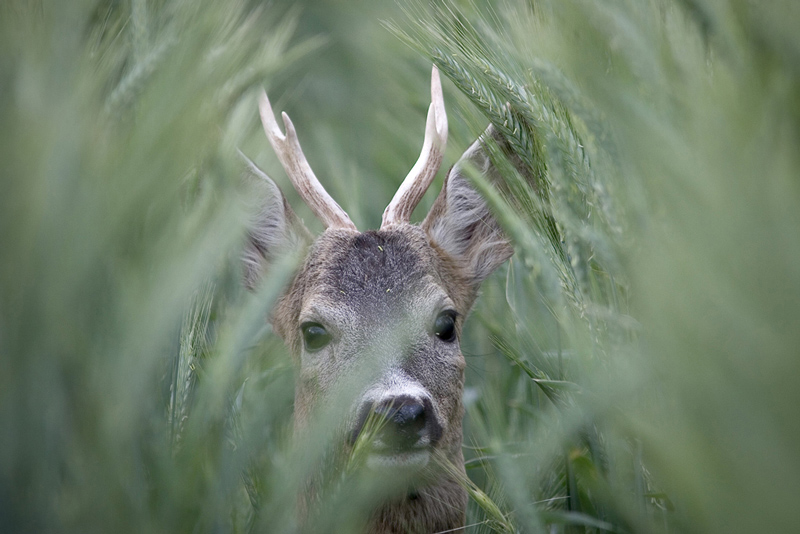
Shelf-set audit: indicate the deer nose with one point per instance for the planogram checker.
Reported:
(403, 422)
(400, 423)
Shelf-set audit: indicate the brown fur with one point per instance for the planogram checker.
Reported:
(378, 294)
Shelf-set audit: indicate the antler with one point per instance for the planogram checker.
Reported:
(291, 156)
(424, 170)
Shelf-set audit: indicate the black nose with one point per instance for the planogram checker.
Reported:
(401, 422)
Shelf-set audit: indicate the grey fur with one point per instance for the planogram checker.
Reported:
(378, 294)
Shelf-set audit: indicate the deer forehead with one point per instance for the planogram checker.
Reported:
(373, 274)
(381, 278)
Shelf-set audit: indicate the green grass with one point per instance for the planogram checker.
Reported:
(632, 369)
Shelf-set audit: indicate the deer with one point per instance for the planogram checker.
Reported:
(392, 301)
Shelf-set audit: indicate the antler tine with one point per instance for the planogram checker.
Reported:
(424, 170)
(287, 148)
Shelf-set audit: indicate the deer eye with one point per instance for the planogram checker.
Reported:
(445, 326)
(315, 337)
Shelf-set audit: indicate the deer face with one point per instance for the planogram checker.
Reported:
(374, 319)
(379, 314)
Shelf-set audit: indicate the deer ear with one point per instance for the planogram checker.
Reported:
(460, 223)
(273, 228)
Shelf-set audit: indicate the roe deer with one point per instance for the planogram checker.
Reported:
(392, 301)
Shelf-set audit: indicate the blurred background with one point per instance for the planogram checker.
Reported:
(631, 369)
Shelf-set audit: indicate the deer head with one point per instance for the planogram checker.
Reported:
(387, 306)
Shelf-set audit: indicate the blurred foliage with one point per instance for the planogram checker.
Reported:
(631, 370)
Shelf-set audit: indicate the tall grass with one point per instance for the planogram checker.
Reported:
(631, 370)
(652, 333)
(120, 228)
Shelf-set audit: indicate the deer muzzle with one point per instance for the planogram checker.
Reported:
(401, 429)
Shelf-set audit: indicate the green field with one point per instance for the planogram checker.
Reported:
(630, 369)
